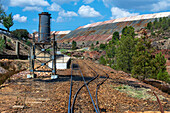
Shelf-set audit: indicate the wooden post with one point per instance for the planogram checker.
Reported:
(54, 55)
(17, 48)
(33, 57)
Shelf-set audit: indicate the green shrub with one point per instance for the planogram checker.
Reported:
(68, 54)
(153, 34)
(102, 60)
(9, 40)
(166, 37)
(20, 33)
(28, 43)
(92, 46)
(102, 46)
(48, 50)
(163, 76)
(96, 49)
(74, 45)
(2, 44)
(97, 42)
(63, 50)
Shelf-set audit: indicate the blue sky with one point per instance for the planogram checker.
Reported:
(70, 14)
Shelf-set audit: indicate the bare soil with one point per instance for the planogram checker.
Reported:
(41, 95)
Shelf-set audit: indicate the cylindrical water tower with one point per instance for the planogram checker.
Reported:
(44, 27)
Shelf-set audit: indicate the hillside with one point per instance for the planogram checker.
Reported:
(102, 31)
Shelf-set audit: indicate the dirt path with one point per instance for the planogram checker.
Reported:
(43, 95)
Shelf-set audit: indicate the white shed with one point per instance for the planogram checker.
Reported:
(62, 62)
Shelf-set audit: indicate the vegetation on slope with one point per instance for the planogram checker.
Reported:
(135, 56)
(21, 34)
(159, 28)
(2, 44)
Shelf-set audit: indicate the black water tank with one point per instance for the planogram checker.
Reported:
(44, 27)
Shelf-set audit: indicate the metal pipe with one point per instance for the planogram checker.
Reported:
(159, 102)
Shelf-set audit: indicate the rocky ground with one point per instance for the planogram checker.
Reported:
(120, 93)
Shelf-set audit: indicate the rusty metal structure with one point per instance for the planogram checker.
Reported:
(44, 49)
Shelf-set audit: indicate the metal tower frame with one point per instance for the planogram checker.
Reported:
(41, 47)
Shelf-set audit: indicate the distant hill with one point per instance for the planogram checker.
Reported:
(102, 31)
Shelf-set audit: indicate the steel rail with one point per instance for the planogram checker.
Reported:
(71, 84)
(75, 96)
(98, 86)
(85, 84)
(88, 91)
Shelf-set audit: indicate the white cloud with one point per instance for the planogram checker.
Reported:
(161, 5)
(64, 1)
(33, 9)
(91, 21)
(87, 11)
(75, 3)
(107, 3)
(119, 13)
(67, 14)
(29, 3)
(53, 20)
(88, 1)
(54, 7)
(19, 18)
(34, 30)
(4, 4)
(60, 19)
(35, 19)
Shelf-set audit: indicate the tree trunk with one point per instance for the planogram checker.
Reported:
(8, 29)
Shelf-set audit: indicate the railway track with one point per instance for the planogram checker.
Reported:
(94, 80)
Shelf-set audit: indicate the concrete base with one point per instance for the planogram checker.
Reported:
(31, 76)
(54, 76)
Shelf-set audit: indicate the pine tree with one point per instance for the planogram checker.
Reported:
(97, 42)
(102, 60)
(115, 37)
(102, 46)
(160, 72)
(149, 25)
(92, 46)
(110, 50)
(128, 31)
(142, 59)
(74, 45)
(125, 50)
(8, 21)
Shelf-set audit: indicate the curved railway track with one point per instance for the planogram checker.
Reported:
(76, 66)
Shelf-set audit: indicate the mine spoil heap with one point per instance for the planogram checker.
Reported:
(102, 31)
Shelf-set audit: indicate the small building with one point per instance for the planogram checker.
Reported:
(62, 62)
